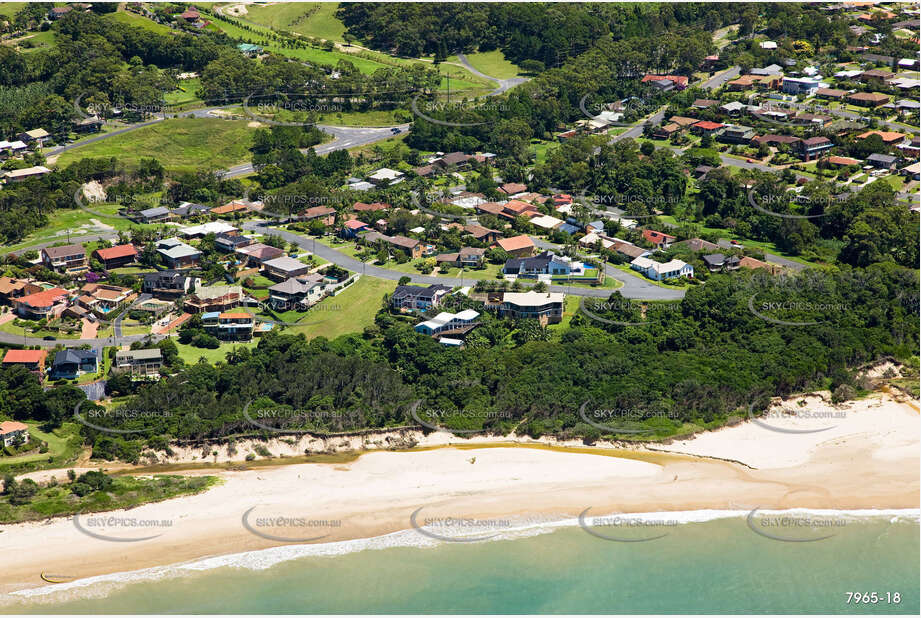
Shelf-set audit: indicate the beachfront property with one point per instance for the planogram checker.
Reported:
(72, 362)
(32, 360)
(299, 292)
(658, 271)
(229, 325)
(546, 307)
(67, 259)
(13, 432)
(139, 363)
(176, 254)
(417, 298)
(450, 328)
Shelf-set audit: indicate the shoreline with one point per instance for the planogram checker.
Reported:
(375, 494)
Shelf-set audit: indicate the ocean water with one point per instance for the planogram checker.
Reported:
(701, 562)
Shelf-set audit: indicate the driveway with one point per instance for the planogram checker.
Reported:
(503, 84)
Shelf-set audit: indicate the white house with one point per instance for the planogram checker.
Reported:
(658, 271)
(386, 176)
(445, 321)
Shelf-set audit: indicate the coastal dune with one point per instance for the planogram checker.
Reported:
(451, 488)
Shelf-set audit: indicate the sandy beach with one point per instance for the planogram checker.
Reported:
(862, 455)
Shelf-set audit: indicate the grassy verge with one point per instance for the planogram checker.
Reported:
(123, 492)
(349, 312)
(190, 354)
(64, 445)
(492, 63)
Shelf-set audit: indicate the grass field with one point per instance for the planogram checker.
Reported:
(41, 40)
(349, 312)
(133, 19)
(180, 144)
(185, 94)
(64, 445)
(9, 9)
(190, 354)
(314, 19)
(492, 63)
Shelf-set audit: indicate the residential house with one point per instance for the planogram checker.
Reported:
(546, 222)
(249, 49)
(912, 171)
(362, 207)
(324, 214)
(139, 363)
(14, 432)
(678, 82)
(704, 103)
(72, 362)
(658, 271)
(351, 229)
(229, 243)
(629, 249)
(813, 147)
(706, 127)
(11, 289)
(699, 244)
(58, 12)
(889, 137)
(491, 208)
(297, 292)
(230, 208)
(666, 131)
(659, 239)
(882, 161)
(385, 176)
(284, 268)
(830, 93)
(453, 161)
(213, 298)
(517, 208)
(410, 245)
(449, 323)
(154, 215)
(546, 307)
(119, 255)
(802, 85)
(467, 257)
(176, 254)
(67, 259)
(513, 188)
(35, 137)
(211, 227)
(878, 75)
(92, 124)
(229, 325)
(417, 298)
(516, 246)
(103, 298)
(546, 263)
(717, 262)
(868, 99)
(483, 234)
(813, 120)
(168, 284)
(33, 360)
(737, 134)
(26, 173)
(733, 108)
(774, 140)
(188, 209)
(258, 253)
(751, 264)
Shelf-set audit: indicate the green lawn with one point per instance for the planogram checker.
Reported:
(40, 40)
(384, 118)
(185, 94)
(64, 445)
(314, 19)
(190, 354)
(492, 63)
(180, 144)
(349, 312)
(138, 21)
(9, 9)
(626, 268)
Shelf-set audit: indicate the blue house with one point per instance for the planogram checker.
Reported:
(68, 364)
(547, 263)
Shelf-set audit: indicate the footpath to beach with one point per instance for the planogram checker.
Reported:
(867, 459)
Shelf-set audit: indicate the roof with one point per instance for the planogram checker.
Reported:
(318, 211)
(523, 299)
(285, 263)
(28, 171)
(705, 102)
(25, 356)
(119, 251)
(355, 224)
(403, 241)
(654, 236)
(229, 207)
(45, 298)
(212, 227)
(234, 315)
(816, 141)
(210, 292)
(11, 426)
(156, 211)
(8, 285)
(361, 206)
(698, 244)
(444, 317)
(37, 133)
(385, 173)
(63, 251)
(295, 285)
(830, 92)
(836, 160)
(72, 355)
(148, 354)
(415, 291)
(515, 242)
(511, 188)
(887, 136)
(708, 125)
(178, 250)
(261, 251)
(547, 222)
(882, 158)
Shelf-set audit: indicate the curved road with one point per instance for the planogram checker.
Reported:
(504, 84)
(633, 287)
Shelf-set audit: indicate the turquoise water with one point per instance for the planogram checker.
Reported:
(717, 566)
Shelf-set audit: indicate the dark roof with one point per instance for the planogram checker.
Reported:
(715, 259)
(71, 355)
(882, 158)
(232, 239)
(816, 141)
(453, 158)
(418, 292)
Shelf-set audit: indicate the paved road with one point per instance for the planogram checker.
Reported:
(633, 287)
(637, 130)
(721, 78)
(345, 138)
(504, 84)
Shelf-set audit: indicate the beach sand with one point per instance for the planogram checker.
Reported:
(869, 460)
